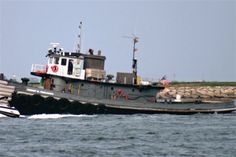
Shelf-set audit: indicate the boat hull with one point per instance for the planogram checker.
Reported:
(9, 111)
(39, 104)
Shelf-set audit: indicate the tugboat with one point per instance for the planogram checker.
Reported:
(76, 83)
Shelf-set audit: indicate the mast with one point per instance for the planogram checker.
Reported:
(135, 61)
(79, 44)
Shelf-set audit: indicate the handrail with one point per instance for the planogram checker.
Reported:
(39, 68)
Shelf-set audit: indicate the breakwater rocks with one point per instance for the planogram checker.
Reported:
(206, 92)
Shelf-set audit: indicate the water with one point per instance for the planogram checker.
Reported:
(118, 135)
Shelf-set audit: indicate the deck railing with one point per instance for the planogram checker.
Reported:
(39, 68)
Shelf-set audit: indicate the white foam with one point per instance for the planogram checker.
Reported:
(56, 116)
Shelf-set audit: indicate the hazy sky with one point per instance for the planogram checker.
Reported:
(183, 39)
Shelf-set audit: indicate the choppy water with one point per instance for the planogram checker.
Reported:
(119, 135)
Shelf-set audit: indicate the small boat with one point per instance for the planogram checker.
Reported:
(6, 109)
(9, 111)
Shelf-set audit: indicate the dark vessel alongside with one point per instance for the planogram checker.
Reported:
(76, 83)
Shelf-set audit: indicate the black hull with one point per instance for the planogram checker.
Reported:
(36, 104)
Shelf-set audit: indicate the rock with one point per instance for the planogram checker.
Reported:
(180, 93)
(166, 90)
(161, 95)
(229, 92)
(201, 92)
(187, 95)
(194, 92)
(217, 94)
(172, 93)
(211, 94)
(181, 89)
(172, 88)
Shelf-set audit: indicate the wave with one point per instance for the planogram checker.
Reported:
(56, 116)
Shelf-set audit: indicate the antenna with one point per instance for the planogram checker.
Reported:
(134, 60)
(79, 44)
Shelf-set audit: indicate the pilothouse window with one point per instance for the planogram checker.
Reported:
(56, 60)
(63, 61)
(50, 60)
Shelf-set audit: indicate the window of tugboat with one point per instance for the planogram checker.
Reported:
(63, 61)
(50, 60)
(56, 60)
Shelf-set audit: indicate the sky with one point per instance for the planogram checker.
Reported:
(186, 40)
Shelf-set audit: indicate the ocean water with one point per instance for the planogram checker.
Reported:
(135, 135)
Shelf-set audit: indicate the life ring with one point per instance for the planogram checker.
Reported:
(119, 92)
(54, 68)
